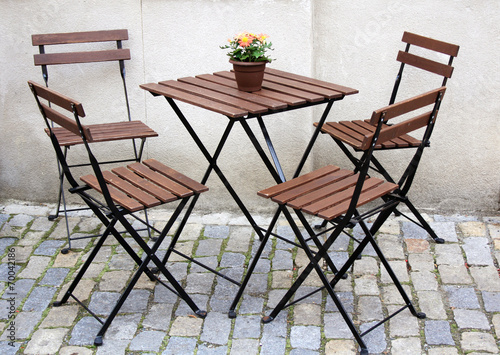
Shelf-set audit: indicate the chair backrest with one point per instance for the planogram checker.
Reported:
(56, 110)
(429, 46)
(44, 59)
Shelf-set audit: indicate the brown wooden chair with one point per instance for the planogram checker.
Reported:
(349, 134)
(115, 195)
(123, 128)
(336, 195)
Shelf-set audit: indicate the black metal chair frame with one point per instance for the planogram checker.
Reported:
(444, 70)
(44, 60)
(351, 217)
(111, 214)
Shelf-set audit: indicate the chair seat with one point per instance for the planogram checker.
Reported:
(146, 184)
(353, 133)
(326, 192)
(105, 132)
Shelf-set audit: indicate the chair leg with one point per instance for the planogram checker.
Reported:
(253, 264)
(422, 221)
(314, 259)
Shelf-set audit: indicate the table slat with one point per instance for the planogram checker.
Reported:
(218, 107)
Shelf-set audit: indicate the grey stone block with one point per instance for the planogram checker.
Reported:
(491, 301)
(247, 327)
(438, 332)
(49, 247)
(216, 231)
(477, 251)
(85, 331)
(305, 337)
(39, 299)
(216, 328)
(272, 345)
(180, 346)
(54, 276)
(209, 349)
(375, 340)
(336, 327)
(149, 340)
(467, 318)
(462, 297)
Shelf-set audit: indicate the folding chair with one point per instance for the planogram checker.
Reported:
(104, 132)
(335, 195)
(350, 133)
(114, 195)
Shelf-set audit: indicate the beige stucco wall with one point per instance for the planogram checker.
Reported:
(351, 43)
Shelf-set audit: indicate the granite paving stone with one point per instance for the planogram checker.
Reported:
(85, 331)
(158, 317)
(336, 327)
(25, 323)
(180, 346)
(54, 276)
(307, 314)
(431, 303)
(437, 332)
(147, 341)
(462, 297)
(210, 349)
(49, 247)
(305, 337)
(376, 339)
(477, 251)
(124, 327)
(486, 278)
(456, 274)
(491, 301)
(445, 230)
(408, 346)
(6, 243)
(340, 346)
(244, 346)
(247, 327)
(46, 341)
(186, 326)
(467, 318)
(216, 328)
(39, 299)
(479, 341)
(220, 232)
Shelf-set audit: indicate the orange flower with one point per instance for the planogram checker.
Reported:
(245, 41)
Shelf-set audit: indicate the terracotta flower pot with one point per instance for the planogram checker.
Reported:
(249, 75)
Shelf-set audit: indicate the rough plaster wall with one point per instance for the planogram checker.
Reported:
(351, 43)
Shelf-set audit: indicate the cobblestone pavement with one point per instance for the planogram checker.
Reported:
(456, 284)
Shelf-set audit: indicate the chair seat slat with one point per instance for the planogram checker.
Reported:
(325, 191)
(175, 175)
(338, 197)
(153, 189)
(134, 192)
(117, 196)
(308, 187)
(285, 186)
(365, 197)
(161, 180)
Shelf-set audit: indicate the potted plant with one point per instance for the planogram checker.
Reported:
(247, 53)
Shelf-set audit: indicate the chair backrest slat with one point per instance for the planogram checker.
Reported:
(58, 100)
(425, 64)
(79, 37)
(82, 57)
(430, 43)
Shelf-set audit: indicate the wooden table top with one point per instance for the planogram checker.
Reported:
(219, 93)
